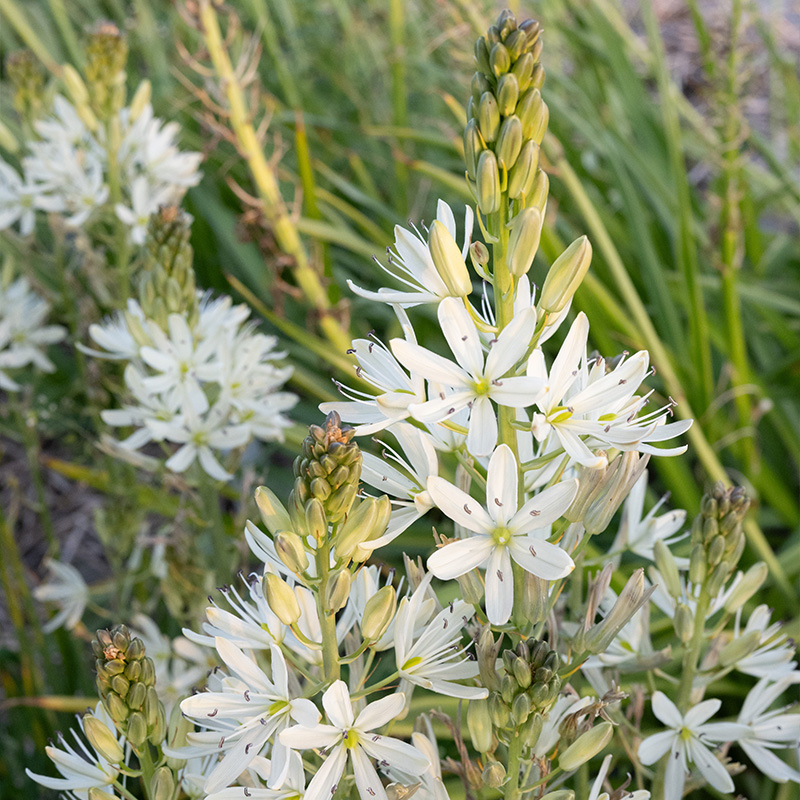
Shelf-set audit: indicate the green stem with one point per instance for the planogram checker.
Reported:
(148, 767)
(327, 620)
(212, 511)
(512, 789)
(122, 245)
(691, 654)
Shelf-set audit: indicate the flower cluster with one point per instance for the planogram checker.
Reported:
(23, 332)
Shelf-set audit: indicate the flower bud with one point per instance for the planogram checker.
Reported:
(750, 583)
(488, 180)
(494, 775)
(697, 565)
(448, 260)
(487, 651)
(507, 94)
(499, 59)
(523, 71)
(291, 552)
(520, 709)
(99, 794)
(136, 732)
(378, 613)
(499, 711)
(75, 86)
(162, 784)
(281, 599)
(356, 528)
(617, 483)
(717, 579)
(523, 173)
(559, 794)
(586, 746)
(683, 622)
(532, 729)
(273, 513)
(540, 190)
(530, 110)
(479, 724)
(524, 241)
(631, 599)
(482, 56)
(141, 99)
(488, 117)
(474, 145)
(102, 739)
(315, 519)
(590, 480)
(479, 254)
(565, 276)
(509, 142)
(668, 568)
(337, 590)
(535, 602)
(739, 648)
(471, 586)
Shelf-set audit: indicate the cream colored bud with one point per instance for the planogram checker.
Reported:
(479, 253)
(630, 600)
(102, 739)
(523, 174)
(524, 241)
(356, 528)
(378, 613)
(99, 794)
(488, 117)
(697, 565)
(589, 482)
(273, 513)
(162, 785)
(565, 276)
(750, 583)
(337, 590)
(488, 181)
(668, 568)
(479, 724)
(471, 586)
(141, 99)
(540, 191)
(281, 599)
(509, 142)
(494, 775)
(739, 648)
(289, 547)
(7, 139)
(683, 622)
(560, 794)
(448, 260)
(586, 746)
(75, 86)
(474, 145)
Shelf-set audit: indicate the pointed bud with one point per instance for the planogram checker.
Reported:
(509, 142)
(499, 60)
(479, 724)
(471, 586)
(520, 709)
(75, 86)
(378, 613)
(683, 622)
(488, 117)
(356, 528)
(739, 648)
(291, 552)
(99, 794)
(532, 729)
(630, 600)
(559, 794)
(448, 260)
(665, 562)
(589, 483)
(493, 775)
(136, 732)
(482, 56)
(102, 739)
(524, 241)
(281, 599)
(141, 99)
(474, 145)
(523, 174)
(162, 784)
(273, 513)
(488, 180)
(507, 94)
(565, 276)
(697, 565)
(523, 71)
(751, 582)
(337, 590)
(535, 602)
(586, 747)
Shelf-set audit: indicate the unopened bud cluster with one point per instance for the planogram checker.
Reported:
(168, 281)
(126, 682)
(106, 57)
(717, 537)
(27, 77)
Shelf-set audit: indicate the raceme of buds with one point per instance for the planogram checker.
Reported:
(565, 276)
(126, 682)
(281, 599)
(27, 75)
(378, 613)
(586, 746)
(106, 56)
(328, 470)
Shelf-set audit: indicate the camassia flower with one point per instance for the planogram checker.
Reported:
(477, 381)
(68, 590)
(502, 532)
(355, 736)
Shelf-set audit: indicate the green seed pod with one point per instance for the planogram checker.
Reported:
(586, 746)
(523, 173)
(488, 117)
(524, 241)
(479, 724)
(507, 94)
(509, 143)
(499, 60)
(523, 71)
(488, 180)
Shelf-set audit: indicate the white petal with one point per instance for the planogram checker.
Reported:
(482, 436)
(367, 781)
(698, 714)
(511, 345)
(519, 392)
(400, 755)
(710, 766)
(458, 558)
(499, 587)
(654, 747)
(675, 777)
(381, 712)
(545, 508)
(666, 710)
(430, 365)
(337, 705)
(543, 559)
(501, 485)
(459, 506)
(299, 737)
(461, 334)
(322, 786)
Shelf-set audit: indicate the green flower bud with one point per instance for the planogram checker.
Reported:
(137, 695)
(716, 550)
(717, 579)
(739, 648)
(471, 586)
(516, 44)
(665, 562)
(530, 110)
(697, 565)
(499, 59)
(617, 484)
(482, 56)
(474, 145)
(99, 794)
(507, 94)
(162, 784)
(136, 732)
(523, 174)
(290, 550)
(479, 724)
(559, 794)
(141, 99)
(356, 528)
(523, 71)
(448, 260)
(102, 739)
(378, 613)
(524, 241)
(586, 746)
(508, 689)
(120, 685)
(683, 622)
(281, 599)
(500, 712)
(509, 143)
(488, 117)
(316, 523)
(532, 729)
(75, 86)
(488, 180)
(633, 596)
(522, 673)
(520, 709)
(540, 190)
(337, 590)
(565, 276)
(480, 84)
(494, 775)
(751, 582)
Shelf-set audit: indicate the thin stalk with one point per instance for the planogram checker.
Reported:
(512, 789)
(212, 513)
(266, 181)
(121, 243)
(327, 621)
(399, 95)
(59, 11)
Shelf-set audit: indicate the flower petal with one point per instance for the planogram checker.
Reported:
(459, 506)
(458, 558)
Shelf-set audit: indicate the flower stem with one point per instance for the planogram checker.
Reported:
(327, 620)
(512, 789)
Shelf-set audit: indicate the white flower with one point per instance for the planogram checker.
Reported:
(590, 405)
(81, 767)
(23, 334)
(429, 785)
(67, 589)
(292, 788)
(687, 741)
(639, 533)
(597, 794)
(502, 532)
(477, 381)
(255, 708)
(145, 200)
(566, 705)
(769, 730)
(356, 736)
(413, 264)
(435, 658)
(17, 200)
(774, 657)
